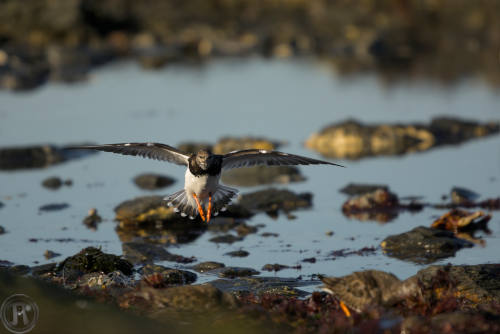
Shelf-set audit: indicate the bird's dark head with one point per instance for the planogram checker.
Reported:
(202, 159)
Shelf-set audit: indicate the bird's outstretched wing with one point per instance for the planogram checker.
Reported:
(146, 150)
(248, 158)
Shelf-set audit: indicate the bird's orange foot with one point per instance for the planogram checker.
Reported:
(209, 210)
(200, 209)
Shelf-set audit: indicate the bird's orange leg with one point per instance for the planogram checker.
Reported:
(200, 209)
(209, 210)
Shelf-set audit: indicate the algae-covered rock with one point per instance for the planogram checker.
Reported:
(137, 252)
(273, 200)
(263, 285)
(161, 276)
(225, 239)
(93, 259)
(380, 205)
(145, 210)
(274, 267)
(232, 272)
(238, 253)
(423, 245)
(151, 181)
(208, 266)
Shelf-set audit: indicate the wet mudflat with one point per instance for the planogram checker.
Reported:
(286, 228)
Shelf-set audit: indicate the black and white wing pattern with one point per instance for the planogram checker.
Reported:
(146, 150)
(254, 157)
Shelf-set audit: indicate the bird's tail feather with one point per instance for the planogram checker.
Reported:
(186, 205)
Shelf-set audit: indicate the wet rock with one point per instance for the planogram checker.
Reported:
(44, 269)
(354, 140)
(228, 144)
(92, 219)
(329, 233)
(157, 56)
(263, 285)
(310, 260)
(54, 207)
(48, 254)
(238, 253)
(90, 260)
(237, 211)
(380, 205)
(361, 289)
(12, 158)
(254, 176)
(1, 205)
(153, 181)
(243, 229)
(274, 267)
(225, 239)
(460, 219)
(274, 200)
(2, 230)
(423, 245)
(116, 283)
(462, 195)
(163, 233)
(188, 299)
(356, 189)
(208, 266)
(137, 252)
(348, 252)
(232, 272)
(19, 269)
(463, 322)
(160, 276)
(52, 183)
(22, 68)
(269, 234)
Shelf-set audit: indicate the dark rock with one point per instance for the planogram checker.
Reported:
(166, 276)
(225, 239)
(310, 260)
(44, 269)
(354, 140)
(194, 147)
(461, 195)
(92, 219)
(243, 229)
(263, 285)
(137, 252)
(464, 322)
(54, 207)
(254, 176)
(235, 210)
(423, 245)
(274, 200)
(1, 205)
(153, 181)
(52, 183)
(19, 269)
(274, 267)
(90, 260)
(163, 233)
(207, 266)
(2, 230)
(232, 272)
(48, 254)
(238, 253)
(355, 189)
(269, 234)
(114, 283)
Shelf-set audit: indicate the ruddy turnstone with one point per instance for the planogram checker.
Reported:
(201, 182)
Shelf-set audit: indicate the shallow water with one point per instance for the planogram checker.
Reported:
(283, 100)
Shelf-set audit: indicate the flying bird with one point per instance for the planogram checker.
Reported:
(201, 181)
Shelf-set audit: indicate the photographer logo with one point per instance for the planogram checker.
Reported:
(19, 313)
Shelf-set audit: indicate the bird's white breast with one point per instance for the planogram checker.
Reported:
(200, 185)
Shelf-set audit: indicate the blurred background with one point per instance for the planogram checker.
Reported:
(404, 93)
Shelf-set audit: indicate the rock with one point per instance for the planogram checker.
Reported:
(115, 280)
(460, 219)
(254, 176)
(243, 229)
(160, 276)
(228, 144)
(232, 272)
(423, 245)
(48, 254)
(52, 183)
(464, 322)
(274, 267)
(238, 253)
(310, 260)
(354, 140)
(171, 233)
(137, 252)
(462, 195)
(92, 219)
(153, 181)
(269, 234)
(2, 230)
(364, 288)
(356, 189)
(1, 205)
(329, 233)
(90, 260)
(19, 269)
(274, 200)
(44, 269)
(193, 147)
(263, 285)
(225, 239)
(54, 207)
(208, 266)
(380, 205)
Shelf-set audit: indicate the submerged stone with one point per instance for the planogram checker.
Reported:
(238, 253)
(423, 245)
